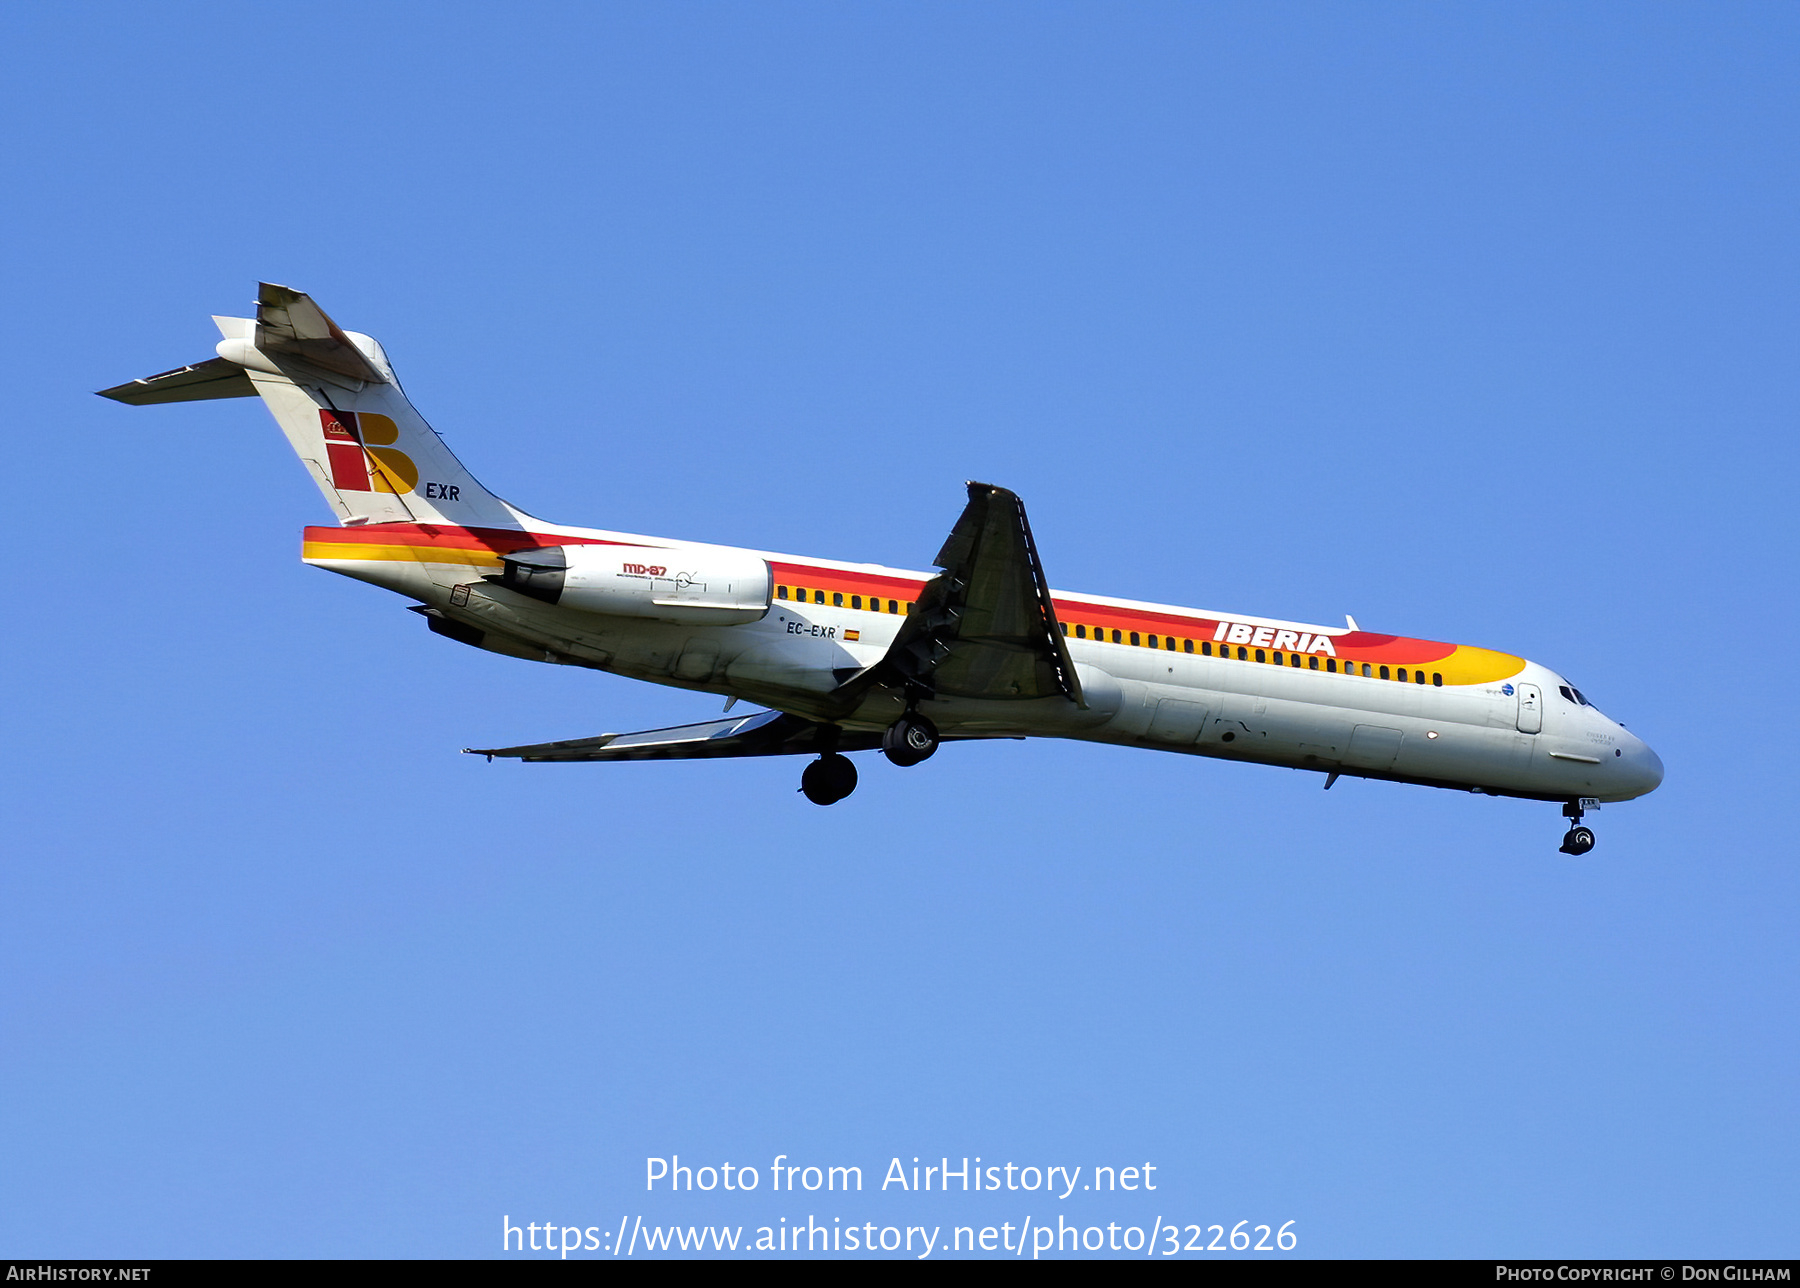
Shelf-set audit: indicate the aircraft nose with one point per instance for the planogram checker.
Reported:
(1643, 767)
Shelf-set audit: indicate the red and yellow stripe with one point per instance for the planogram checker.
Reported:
(1456, 663)
(428, 543)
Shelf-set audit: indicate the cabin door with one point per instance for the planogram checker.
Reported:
(1531, 709)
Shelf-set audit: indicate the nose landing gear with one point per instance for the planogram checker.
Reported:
(828, 779)
(1578, 839)
(909, 739)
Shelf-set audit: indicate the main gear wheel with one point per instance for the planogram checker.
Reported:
(828, 779)
(909, 739)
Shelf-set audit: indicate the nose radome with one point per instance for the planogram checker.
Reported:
(1646, 767)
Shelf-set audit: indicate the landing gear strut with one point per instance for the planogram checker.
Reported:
(828, 779)
(1578, 839)
(909, 739)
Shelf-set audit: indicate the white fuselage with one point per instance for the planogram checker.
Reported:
(1512, 734)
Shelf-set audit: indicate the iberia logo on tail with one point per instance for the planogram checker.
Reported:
(356, 445)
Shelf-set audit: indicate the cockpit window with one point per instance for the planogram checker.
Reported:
(1575, 695)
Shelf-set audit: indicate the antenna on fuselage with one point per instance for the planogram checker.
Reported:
(1351, 622)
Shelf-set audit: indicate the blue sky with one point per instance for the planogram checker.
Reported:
(1477, 323)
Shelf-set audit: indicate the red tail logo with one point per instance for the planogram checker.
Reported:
(356, 446)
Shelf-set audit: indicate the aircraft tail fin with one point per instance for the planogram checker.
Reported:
(334, 395)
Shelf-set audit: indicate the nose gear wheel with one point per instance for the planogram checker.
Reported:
(1578, 840)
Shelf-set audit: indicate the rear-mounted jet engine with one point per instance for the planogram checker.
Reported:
(701, 587)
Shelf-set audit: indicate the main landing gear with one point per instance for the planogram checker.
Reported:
(1578, 839)
(910, 739)
(832, 777)
(828, 779)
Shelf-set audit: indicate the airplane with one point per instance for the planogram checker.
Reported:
(849, 657)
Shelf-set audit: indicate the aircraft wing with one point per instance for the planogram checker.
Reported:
(764, 733)
(985, 626)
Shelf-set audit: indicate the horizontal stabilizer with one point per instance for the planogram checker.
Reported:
(766, 733)
(214, 378)
(287, 321)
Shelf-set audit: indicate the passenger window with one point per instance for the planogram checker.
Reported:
(1384, 672)
(781, 592)
(856, 601)
(1418, 677)
(893, 607)
(1081, 632)
(1367, 673)
(837, 599)
(1437, 679)
(1260, 657)
(818, 597)
(1278, 658)
(1205, 647)
(1312, 662)
(1401, 676)
(1065, 628)
(1243, 654)
(1118, 638)
(1331, 665)
(1294, 660)
(1187, 646)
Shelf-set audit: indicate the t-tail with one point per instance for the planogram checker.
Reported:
(335, 397)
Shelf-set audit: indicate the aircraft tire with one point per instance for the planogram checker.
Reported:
(1578, 841)
(909, 740)
(828, 779)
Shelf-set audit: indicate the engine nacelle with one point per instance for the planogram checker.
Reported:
(702, 587)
